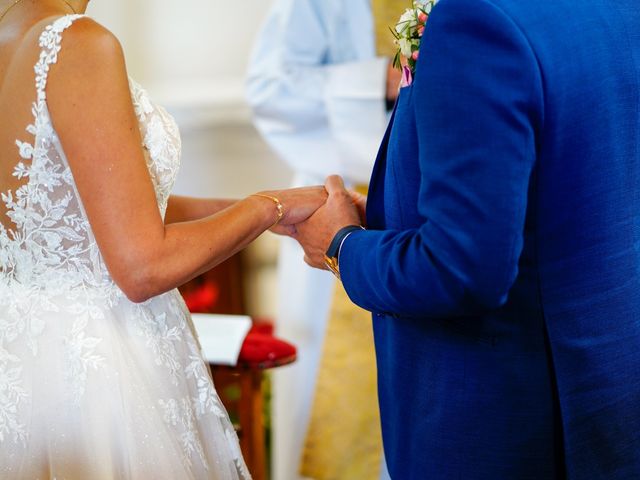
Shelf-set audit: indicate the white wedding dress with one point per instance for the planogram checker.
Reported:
(93, 386)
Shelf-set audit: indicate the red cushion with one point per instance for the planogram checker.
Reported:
(265, 351)
(261, 326)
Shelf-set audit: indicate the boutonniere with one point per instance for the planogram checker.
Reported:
(408, 32)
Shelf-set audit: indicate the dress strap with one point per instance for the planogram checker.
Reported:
(50, 41)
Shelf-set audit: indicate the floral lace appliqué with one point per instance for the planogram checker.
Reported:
(81, 357)
(12, 393)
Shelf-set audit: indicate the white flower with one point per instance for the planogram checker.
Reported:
(53, 240)
(405, 46)
(425, 5)
(21, 170)
(26, 150)
(407, 22)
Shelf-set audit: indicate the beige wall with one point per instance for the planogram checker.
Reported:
(174, 44)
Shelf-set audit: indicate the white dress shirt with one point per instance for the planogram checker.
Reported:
(317, 88)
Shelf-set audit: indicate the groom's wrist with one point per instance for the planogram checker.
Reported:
(332, 255)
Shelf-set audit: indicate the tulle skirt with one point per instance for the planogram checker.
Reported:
(97, 389)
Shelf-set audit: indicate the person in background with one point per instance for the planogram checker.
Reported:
(320, 83)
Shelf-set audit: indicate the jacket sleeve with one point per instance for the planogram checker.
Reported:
(478, 105)
(321, 117)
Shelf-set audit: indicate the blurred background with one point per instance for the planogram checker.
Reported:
(199, 78)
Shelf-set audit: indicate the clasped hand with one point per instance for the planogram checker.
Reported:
(314, 222)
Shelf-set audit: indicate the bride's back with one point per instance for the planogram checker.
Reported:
(19, 53)
(76, 128)
(46, 240)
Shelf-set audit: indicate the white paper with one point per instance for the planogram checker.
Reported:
(221, 336)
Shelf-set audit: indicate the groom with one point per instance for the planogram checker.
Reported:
(501, 258)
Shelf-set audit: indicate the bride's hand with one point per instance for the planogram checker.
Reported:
(299, 204)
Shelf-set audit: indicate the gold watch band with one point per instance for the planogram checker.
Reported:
(332, 265)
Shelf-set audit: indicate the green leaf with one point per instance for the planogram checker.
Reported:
(396, 61)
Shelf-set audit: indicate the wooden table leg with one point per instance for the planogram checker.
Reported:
(248, 406)
(252, 439)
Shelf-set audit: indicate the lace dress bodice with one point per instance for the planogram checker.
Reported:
(138, 401)
(52, 246)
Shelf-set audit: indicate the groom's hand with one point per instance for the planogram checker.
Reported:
(360, 201)
(316, 233)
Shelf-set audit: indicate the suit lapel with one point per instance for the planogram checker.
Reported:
(375, 201)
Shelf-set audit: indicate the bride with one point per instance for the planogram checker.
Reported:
(101, 375)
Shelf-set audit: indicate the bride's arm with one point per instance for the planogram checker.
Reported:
(90, 103)
(186, 209)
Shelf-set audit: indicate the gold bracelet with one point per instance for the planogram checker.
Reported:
(279, 206)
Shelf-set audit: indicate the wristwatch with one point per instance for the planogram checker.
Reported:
(332, 256)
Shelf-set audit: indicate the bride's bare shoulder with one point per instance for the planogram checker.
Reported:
(90, 58)
(88, 85)
(88, 39)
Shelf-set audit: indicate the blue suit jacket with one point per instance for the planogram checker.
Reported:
(502, 263)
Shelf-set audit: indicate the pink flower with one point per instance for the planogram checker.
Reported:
(407, 77)
(422, 17)
(415, 55)
(420, 30)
